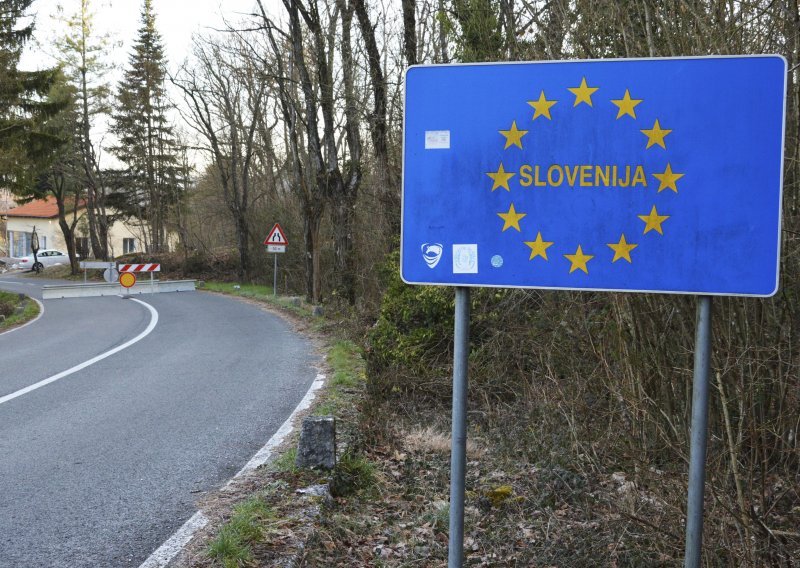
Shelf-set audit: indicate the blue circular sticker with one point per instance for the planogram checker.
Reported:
(497, 261)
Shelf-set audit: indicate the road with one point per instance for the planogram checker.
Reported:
(101, 466)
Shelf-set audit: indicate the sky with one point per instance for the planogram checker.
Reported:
(176, 20)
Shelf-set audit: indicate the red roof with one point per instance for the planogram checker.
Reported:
(40, 208)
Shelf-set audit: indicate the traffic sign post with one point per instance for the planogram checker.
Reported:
(109, 271)
(276, 243)
(640, 175)
(151, 267)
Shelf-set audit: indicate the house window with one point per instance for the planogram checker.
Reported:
(128, 245)
(19, 243)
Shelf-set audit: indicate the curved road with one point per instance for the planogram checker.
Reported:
(103, 465)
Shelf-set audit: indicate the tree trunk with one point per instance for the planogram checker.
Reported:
(312, 216)
(243, 244)
(410, 31)
(388, 189)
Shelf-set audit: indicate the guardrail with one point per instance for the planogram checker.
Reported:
(52, 292)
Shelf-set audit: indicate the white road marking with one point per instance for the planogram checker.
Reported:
(26, 324)
(174, 544)
(76, 368)
(286, 428)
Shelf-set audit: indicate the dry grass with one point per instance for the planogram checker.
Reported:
(429, 439)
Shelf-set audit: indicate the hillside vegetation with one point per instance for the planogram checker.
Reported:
(579, 403)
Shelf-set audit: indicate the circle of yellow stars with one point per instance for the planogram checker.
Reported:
(626, 107)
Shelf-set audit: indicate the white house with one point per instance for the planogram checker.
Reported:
(43, 215)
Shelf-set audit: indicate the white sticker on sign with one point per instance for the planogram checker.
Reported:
(465, 259)
(437, 139)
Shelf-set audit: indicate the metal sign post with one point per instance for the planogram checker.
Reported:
(458, 452)
(699, 434)
(276, 243)
(275, 275)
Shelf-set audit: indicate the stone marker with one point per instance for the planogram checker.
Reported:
(317, 447)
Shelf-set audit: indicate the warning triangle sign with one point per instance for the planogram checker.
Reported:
(276, 236)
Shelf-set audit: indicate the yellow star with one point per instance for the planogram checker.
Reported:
(579, 260)
(513, 136)
(653, 221)
(511, 219)
(626, 105)
(542, 107)
(656, 135)
(583, 94)
(539, 247)
(622, 249)
(668, 179)
(500, 178)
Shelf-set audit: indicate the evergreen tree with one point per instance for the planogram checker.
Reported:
(23, 103)
(146, 142)
(63, 178)
(480, 37)
(82, 52)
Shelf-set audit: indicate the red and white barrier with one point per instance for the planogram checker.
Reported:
(151, 267)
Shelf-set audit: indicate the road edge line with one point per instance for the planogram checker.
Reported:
(165, 553)
(80, 366)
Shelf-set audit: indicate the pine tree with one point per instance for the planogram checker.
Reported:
(23, 103)
(146, 142)
(63, 178)
(82, 52)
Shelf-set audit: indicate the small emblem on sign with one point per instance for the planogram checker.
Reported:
(465, 259)
(497, 261)
(432, 253)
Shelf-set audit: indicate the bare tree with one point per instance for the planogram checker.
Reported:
(225, 103)
(320, 175)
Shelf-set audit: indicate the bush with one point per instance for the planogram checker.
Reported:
(8, 302)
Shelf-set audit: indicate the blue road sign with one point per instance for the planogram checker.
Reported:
(651, 175)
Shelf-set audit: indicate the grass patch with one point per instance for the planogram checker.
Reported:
(287, 461)
(247, 290)
(353, 473)
(10, 305)
(260, 293)
(347, 364)
(348, 372)
(248, 526)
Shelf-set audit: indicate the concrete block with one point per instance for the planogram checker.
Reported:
(317, 447)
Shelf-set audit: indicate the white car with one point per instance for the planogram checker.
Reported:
(45, 257)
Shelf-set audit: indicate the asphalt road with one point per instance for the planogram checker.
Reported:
(101, 466)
